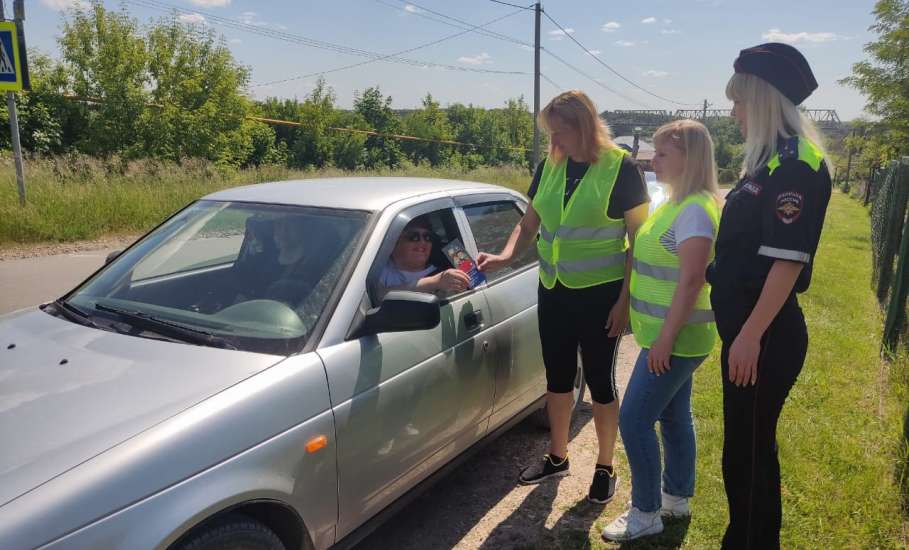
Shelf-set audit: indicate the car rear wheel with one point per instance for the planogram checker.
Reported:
(541, 417)
(232, 532)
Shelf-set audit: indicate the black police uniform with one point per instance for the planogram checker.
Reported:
(768, 217)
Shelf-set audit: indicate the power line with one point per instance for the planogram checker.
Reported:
(594, 80)
(603, 63)
(512, 5)
(408, 50)
(462, 22)
(427, 16)
(309, 42)
(549, 80)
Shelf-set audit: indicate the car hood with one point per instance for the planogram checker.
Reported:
(69, 392)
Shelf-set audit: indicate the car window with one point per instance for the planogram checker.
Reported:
(406, 258)
(256, 275)
(492, 224)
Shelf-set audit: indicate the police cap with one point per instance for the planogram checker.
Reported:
(783, 66)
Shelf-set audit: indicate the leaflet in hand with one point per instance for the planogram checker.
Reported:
(462, 261)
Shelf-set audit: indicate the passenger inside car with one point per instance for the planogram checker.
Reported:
(409, 267)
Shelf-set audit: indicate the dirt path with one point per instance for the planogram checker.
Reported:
(10, 251)
(480, 505)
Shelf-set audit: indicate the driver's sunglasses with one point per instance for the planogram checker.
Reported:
(415, 236)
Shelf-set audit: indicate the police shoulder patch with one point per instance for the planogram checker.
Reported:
(789, 205)
(788, 148)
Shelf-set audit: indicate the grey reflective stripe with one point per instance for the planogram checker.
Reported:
(590, 264)
(547, 268)
(583, 233)
(660, 312)
(783, 254)
(656, 271)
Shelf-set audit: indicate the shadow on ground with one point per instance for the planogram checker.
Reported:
(443, 515)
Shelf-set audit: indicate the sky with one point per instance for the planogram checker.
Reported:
(675, 53)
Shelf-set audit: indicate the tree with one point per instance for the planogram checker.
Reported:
(376, 111)
(884, 79)
(429, 123)
(105, 57)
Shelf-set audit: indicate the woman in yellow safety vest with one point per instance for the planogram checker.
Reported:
(673, 323)
(586, 197)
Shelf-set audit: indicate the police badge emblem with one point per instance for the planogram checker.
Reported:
(789, 206)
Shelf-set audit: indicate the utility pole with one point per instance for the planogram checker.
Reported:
(536, 88)
(704, 114)
(849, 162)
(13, 118)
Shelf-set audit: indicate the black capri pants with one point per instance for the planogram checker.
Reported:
(569, 318)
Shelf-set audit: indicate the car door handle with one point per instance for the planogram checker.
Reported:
(473, 320)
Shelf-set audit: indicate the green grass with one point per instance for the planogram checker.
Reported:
(841, 436)
(78, 198)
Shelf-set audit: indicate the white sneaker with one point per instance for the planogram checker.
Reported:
(633, 524)
(674, 507)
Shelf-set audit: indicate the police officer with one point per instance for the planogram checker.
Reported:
(765, 249)
(586, 197)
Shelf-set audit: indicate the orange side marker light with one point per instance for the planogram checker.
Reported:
(316, 443)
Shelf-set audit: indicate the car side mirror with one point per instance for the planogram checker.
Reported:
(111, 256)
(402, 311)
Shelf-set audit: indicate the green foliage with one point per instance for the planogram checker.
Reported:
(376, 111)
(884, 79)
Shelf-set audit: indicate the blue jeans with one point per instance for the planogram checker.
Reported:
(666, 398)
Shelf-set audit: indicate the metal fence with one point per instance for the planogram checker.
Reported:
(888, 193)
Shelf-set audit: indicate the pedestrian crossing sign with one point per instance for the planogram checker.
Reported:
(11, 58)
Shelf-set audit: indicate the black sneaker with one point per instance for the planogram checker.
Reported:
(544, 469)
(602, 489)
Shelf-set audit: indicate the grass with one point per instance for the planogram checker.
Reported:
(78, 197)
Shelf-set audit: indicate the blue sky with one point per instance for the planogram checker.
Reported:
(677, 49)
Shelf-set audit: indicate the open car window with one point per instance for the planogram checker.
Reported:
(388, 275)
(256, 276)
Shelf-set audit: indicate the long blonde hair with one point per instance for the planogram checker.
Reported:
(770, 116)
(693, 140)
(577, 110)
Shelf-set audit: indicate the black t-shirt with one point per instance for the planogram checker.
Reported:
(769, 217)
(628, 192)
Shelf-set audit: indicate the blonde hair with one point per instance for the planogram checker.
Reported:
(694, 141)
(770, 115)
(576, 110)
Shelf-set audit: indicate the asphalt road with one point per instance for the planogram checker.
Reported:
(31, 281)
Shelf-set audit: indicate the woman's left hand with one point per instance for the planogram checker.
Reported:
(659, 355)
(617, 321)
(743, 360)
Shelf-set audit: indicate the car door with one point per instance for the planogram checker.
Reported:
(405, 403)
(512, 297)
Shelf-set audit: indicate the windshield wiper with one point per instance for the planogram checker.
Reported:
(72, 313)
(168, 328)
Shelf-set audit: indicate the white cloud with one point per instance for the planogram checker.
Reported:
(670, 31)
(624, 43)
(776, 35)
(611, 26)
(667, 21)
(558, 34)
(410, 8)
(62, 5)
(481, 59)
(251, 18)
(656, 74)
(192, 18)
(649, 20)
(211, 3)
(595, 52)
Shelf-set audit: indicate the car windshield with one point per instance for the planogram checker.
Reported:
(246, 276)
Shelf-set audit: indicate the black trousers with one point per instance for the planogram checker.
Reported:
(569, 318)
(751, 469)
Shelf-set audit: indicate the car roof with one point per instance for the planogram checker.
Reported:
(358, 193)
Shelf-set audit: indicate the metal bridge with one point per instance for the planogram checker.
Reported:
(624, 121)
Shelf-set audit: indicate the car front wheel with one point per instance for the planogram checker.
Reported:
(232, 532)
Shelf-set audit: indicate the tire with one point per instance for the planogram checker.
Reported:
(232, 532)
(541, 417)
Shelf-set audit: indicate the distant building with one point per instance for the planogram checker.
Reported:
(645, 149)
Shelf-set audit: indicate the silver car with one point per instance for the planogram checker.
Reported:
(236, 376)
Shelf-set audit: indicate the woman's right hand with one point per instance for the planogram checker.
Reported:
(452, 280)
(491, 262)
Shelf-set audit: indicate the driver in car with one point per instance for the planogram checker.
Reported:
(408, 268)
